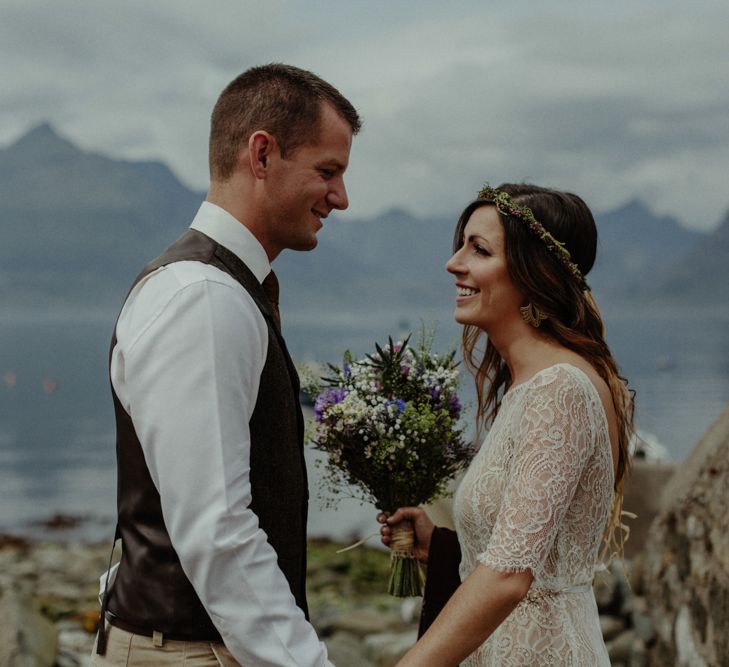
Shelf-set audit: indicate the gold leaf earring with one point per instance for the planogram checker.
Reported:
(532, 315)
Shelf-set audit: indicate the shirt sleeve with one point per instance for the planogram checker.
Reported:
(189, 378)
(552, 445)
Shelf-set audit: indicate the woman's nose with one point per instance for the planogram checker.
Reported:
(454, 264)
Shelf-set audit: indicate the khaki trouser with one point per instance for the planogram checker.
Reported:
(130, 650)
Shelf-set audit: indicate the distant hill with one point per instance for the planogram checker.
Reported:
(396, 261)
(634, 244)
(393, 262)
(76, 226)
(700, 277)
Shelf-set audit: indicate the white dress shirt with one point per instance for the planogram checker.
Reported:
(191, 346)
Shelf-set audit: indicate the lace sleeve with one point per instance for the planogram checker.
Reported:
(551, 446)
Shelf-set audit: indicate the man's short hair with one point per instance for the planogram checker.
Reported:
(281, 99)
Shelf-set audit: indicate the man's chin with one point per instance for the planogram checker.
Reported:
(305, 244)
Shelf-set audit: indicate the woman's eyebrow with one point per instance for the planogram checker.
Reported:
(473, 237)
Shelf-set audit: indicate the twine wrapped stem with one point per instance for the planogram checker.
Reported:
(403, 540)
(406, 578)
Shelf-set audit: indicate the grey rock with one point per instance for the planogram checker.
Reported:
(636, 572)
(605, 588)
(638, 654)
(26, 569)
(641, 621)
(363, 622)
(61, 590)
(688, 653)
(346, 649)
(624, 594)
(695, 530)
(74, 644)
(611, 626)
(27, 638)
(70, 659)
(620, 648)
(626, 605)
(643, 496)
(410, 610)
(386, 649)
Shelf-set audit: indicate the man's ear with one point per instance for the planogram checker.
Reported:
(261, 146)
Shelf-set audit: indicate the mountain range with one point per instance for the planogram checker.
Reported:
(77, 226)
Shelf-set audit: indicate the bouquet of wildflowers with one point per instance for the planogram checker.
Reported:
(389, 423)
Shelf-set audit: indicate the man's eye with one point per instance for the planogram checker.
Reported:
(327, 173)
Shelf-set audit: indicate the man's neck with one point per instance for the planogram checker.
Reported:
(238, 197)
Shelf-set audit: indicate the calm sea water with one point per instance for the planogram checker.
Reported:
(56, 419)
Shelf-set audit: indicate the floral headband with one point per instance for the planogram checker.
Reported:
(507, 206)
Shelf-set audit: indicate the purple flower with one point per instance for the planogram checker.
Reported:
(330, 396)
(457, 450)
(455, 406)
(435, 395)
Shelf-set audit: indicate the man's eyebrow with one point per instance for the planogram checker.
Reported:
(332, 162)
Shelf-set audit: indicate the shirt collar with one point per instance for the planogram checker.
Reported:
(223, 228)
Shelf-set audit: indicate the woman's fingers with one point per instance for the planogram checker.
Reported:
(388, 521)
(403, 514)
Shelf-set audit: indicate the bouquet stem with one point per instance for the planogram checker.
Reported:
(406, 579)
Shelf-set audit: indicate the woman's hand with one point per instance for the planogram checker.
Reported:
(421, 522)
(479, 605)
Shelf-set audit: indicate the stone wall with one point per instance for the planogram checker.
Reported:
(686, 574)
(643, 497)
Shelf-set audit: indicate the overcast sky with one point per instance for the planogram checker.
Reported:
(611, 100)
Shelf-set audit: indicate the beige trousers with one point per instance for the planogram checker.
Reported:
(129, 650)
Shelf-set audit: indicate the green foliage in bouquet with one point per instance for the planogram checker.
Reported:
(389, 424)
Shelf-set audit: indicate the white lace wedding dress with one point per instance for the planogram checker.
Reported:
(537, 495)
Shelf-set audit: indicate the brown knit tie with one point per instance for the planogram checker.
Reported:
(270, 287)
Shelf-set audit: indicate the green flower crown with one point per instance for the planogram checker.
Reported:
(507, 206)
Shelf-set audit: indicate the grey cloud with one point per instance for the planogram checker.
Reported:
(561, 109)
(612, 102)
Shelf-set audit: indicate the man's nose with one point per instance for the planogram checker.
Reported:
(337, 196)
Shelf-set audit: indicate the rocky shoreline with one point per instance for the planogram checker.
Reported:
(49, 608)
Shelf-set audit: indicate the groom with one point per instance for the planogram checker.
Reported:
(212, 491)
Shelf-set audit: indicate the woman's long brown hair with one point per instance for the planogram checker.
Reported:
(574, 319)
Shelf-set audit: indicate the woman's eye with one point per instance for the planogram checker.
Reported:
(480, 250)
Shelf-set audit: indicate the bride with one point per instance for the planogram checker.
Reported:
(544, 492)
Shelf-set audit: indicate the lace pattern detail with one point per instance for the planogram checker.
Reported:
(537, 496)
